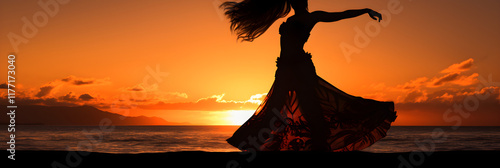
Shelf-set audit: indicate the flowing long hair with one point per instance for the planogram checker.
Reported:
(251, 18)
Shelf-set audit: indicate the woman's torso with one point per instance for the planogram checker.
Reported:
(294, 64)
(294, 34)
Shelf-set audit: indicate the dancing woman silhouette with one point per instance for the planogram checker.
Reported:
(303, 112)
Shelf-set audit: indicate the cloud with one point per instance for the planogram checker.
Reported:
(413, 84)
(157, 96)
(4, 86)
(83, 81)
(152, 93)
(212, 103)
(45, 96)
(449, 95)
(482, 92)
(68, 97)
(85, 97)
(459, 67)
(154, 96)
(453, 75)
(44, 91)
(136, 89)
(467, 80)
(416, 96)
(456, 79)
(445, 97)
(257, 98)
(176, 95)
(50, 88)
(440, 88)
(445, 79)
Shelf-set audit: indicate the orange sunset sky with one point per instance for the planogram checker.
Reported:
(179, 61)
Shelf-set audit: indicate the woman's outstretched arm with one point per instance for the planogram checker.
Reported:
(321, 16)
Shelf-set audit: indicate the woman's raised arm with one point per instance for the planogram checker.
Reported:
(322, 16)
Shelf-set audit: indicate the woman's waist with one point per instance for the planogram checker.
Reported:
(295, 55)
(294, 59)
(292, 47)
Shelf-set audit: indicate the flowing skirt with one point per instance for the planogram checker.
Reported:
(303, 112)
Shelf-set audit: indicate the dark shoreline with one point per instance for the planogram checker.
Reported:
(261, 159)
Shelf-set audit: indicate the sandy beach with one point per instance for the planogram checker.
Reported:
(259, 159)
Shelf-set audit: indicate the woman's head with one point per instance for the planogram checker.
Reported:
(251, 18)
(299, 5)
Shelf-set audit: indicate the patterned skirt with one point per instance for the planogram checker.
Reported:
(303, 112)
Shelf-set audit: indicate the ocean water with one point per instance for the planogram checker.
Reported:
(151, 139)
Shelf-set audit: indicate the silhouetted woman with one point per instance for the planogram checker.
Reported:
(303, 112)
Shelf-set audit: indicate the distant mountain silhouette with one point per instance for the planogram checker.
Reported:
(80, 115)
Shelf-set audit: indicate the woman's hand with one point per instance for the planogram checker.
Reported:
(374, 15)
